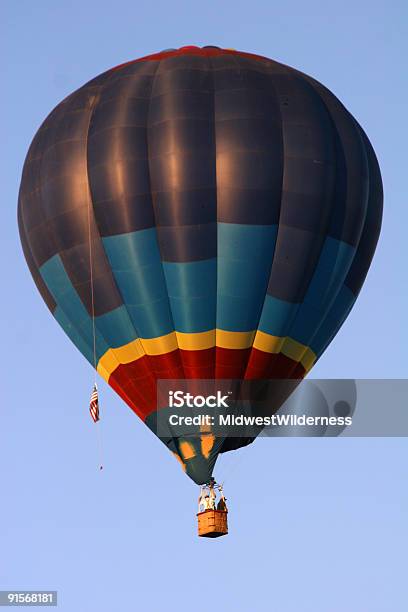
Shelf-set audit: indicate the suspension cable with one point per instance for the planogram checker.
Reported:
(92, 287)
(98, 433)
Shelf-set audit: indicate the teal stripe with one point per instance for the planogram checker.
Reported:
(333, 265)
(277, 316)
(127, 249)
(70, 312)
(62, 290)
(84, 346)
(112, 329)
(192, 291)
(333, 320)
(244, 259)
(331, 271)
(302, 321)
(137, 269)
(116, 327)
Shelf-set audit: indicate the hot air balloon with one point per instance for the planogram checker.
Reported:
(199, 213)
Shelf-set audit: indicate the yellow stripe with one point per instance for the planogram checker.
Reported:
(308, 359)
(117, 356)
(196, 342)
(234, 340)
(287, 346)
(201, 341)
(174, 340)
(160, 345)
(267, 343)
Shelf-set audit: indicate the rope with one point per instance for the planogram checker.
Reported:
(99, 441)
(98, 433)
(234, 463)
(92, 288)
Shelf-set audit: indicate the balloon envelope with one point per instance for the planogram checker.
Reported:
(232, 205)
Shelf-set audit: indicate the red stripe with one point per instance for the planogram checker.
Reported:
(191, 50)
(271, 365)
(136, 382)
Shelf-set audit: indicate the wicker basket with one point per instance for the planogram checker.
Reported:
(212, 523)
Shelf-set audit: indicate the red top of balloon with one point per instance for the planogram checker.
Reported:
(208, 51)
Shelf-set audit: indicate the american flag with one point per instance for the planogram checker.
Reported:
(94, 404)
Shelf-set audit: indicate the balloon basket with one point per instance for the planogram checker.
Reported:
(212, 523)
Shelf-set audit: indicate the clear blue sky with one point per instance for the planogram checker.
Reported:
(324, 529)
